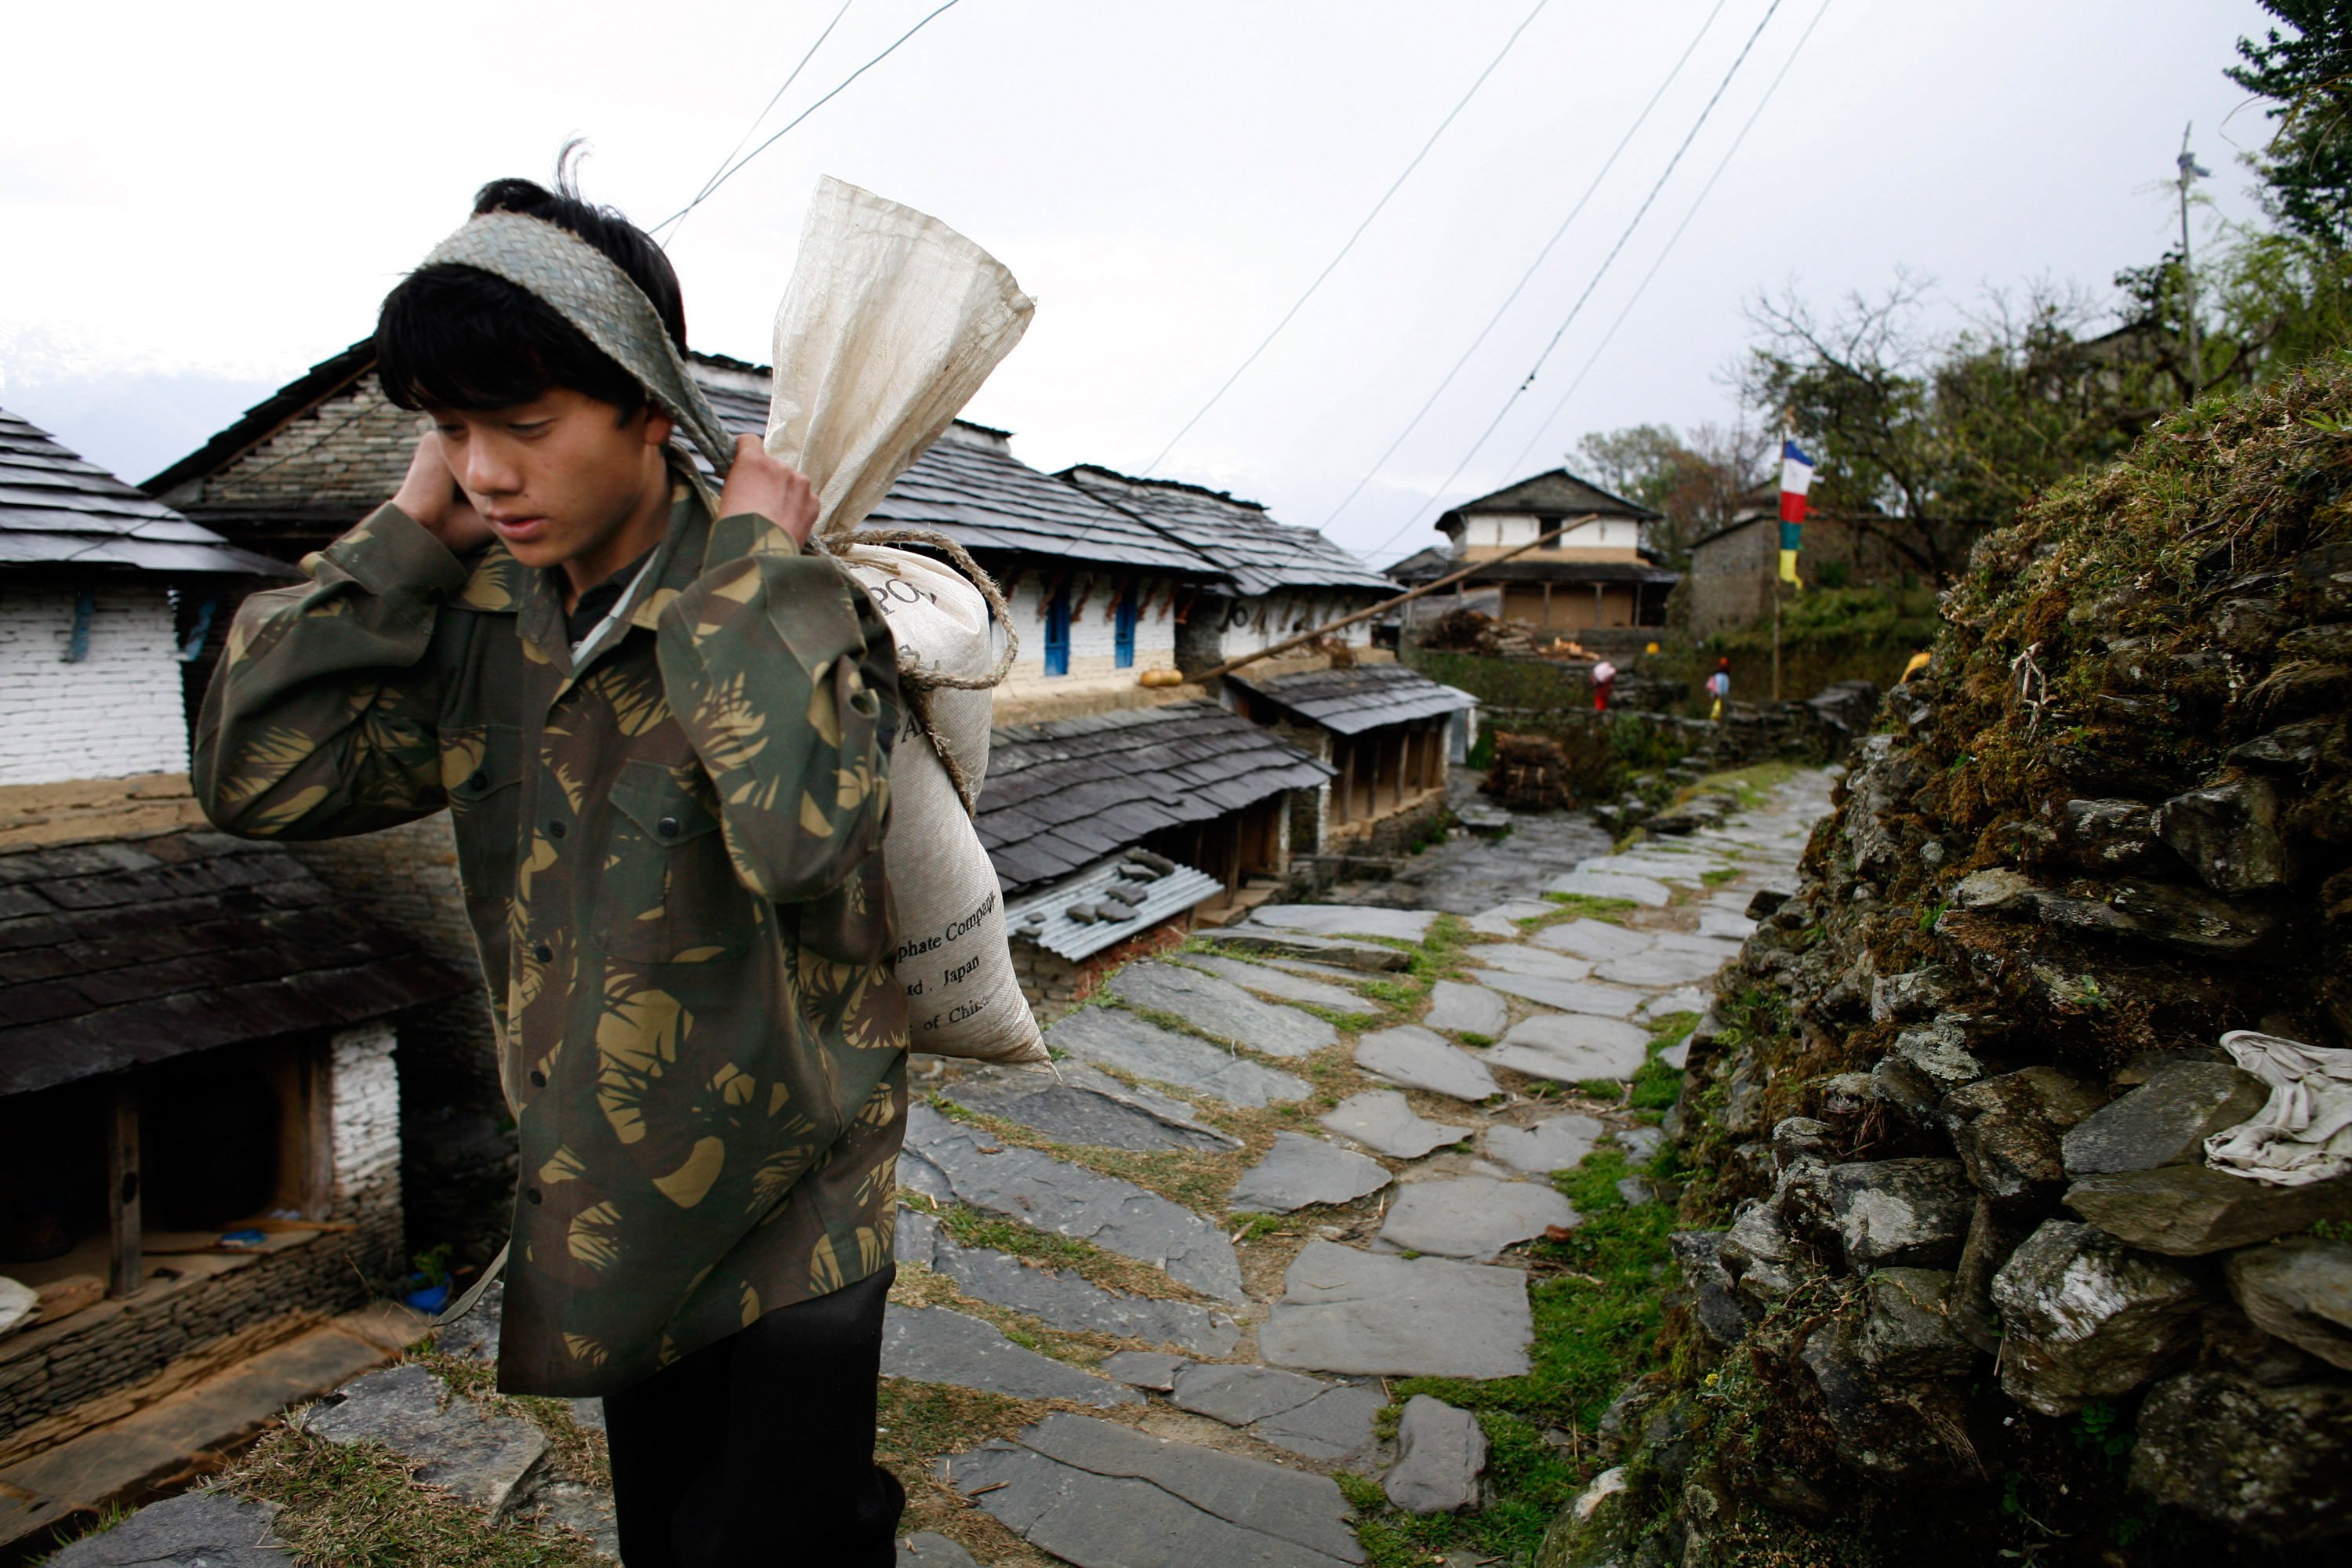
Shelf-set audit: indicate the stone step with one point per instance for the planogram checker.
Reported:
(1269, 942)
(1120, 1040)
(1382, 1119)
(1061, 1298)
(1053, 1194)
(1412, 1056)
(195, 1530)
(1267, 981)
(1569, 995)
(1330, 1423)
(1347, 919)
(1299, 1171)
(1222, 1010)
(1376, 1314)
(934, 1344)
(1099, 1495)
(481, 1459)
(1074, 1103)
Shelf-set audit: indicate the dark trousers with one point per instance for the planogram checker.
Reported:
(758, 1451)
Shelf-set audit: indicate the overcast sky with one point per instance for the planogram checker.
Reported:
(197, 201)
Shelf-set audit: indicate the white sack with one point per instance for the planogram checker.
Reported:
(890, 323)
(2303, 1133)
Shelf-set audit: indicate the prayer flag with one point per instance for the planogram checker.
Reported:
(1796, 478)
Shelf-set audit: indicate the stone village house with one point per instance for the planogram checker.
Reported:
(1590, 581)
(1106, 579)
(200, 1122)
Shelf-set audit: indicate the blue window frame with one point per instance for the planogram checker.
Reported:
(1123, 643)
(1057, 634)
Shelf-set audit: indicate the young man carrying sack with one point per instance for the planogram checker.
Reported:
(662, 728)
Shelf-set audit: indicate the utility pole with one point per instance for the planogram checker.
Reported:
(2190, 171)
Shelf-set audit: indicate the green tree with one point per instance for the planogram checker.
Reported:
(1699, 478)
(2305, 73)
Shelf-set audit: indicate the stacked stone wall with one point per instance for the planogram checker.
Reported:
(1962, 1280)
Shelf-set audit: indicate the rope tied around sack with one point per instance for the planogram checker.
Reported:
(916, 683)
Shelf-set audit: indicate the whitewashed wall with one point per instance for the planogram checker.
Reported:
(1286, 615)
(1093, 632)
(366, 1126)
(114, 714)
(1503, 531)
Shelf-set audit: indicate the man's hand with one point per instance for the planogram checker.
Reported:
(431, 496)
(776, 490)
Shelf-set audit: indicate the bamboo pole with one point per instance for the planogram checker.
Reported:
(1385, 605)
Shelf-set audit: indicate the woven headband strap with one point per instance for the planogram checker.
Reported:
(584, 286)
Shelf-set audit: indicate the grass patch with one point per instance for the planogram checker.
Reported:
(1596, 1322)
(1751, 786)
(1719, 876)
(578, 1452)
(1577, 907)
(354, 1506)
(1656, 1086)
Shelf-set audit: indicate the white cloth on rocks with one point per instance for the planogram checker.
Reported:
(2303, 1134)
(890, 323)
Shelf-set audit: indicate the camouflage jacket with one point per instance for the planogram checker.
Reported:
(670, 863)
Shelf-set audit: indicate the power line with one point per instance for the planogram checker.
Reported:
(1508, 403)
(732, 169)
(1729, 153)
(1329, 266)
(1526, 277)
(769, 108)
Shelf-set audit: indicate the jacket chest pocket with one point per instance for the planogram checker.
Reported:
(481, 774)
(668, 892)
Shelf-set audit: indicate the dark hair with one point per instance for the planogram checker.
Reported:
(458, 337)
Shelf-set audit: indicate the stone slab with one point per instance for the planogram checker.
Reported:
(1222, 1010)
(1381, 1315)
(1441, 1452)
(1268, 981)
(1238, 1396)
(933, 1344)
(1662, 965)
(1473, 1217)
(1417, 1058)
(1592, 938)
(1681, 999)
(1063, 1299)
(1665, 868)
(1557, 1144)
(1338, 952)
(1569, 995)
(1074, 1103)
(481, 1457)
(1382, 1119)
(1543, 962)
(1345, 919)
(1099, 1495)
(1727, 922)
(1504, 919)
(1145, 1369)
(1460, 1009)
(195, 1530)
(914, 1236)
(1333, 1427)
(1051, 1194)
(1571, 1048)
(1299, 1171)
(1643, 890)
(929, 1548)
(583, 1509)
(1120, 1040)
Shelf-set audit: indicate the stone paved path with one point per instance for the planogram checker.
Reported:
(1254, 1188)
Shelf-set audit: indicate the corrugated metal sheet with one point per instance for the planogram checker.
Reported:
(1058, 931)
(1349, 701)
(57, 509)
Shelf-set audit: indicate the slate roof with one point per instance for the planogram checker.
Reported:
(1260, 554)
(56, 508)
(1555, 490)
(120, 953)
(1062, 794)
(335, 373)
(970, 486)
(1057, 931)
(1349, 701)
